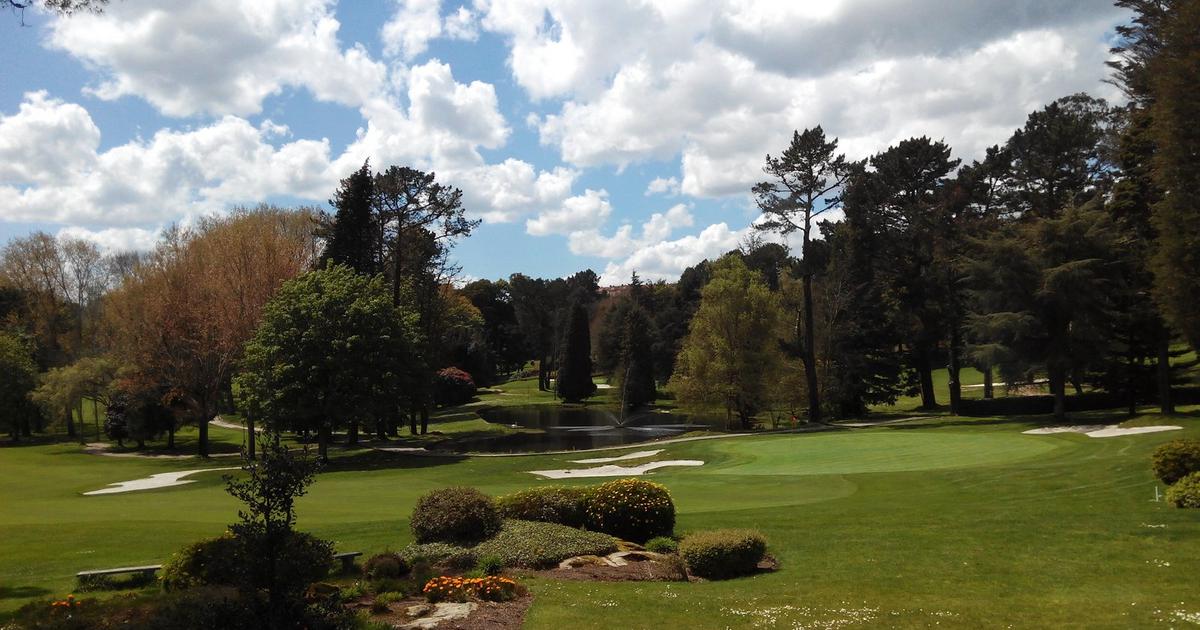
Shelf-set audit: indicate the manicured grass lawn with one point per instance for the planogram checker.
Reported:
(944, 521)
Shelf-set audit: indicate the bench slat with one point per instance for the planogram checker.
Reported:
(146, 569)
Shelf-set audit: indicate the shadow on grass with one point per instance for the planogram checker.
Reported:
(384, 460)
(22, 592)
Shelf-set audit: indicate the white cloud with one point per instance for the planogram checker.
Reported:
(115, 239)
(667, 259)
(668, 186)
(660, 225)
(188, 57)
(581, 212)
(171, 175)
(417, 22)
(718, 84)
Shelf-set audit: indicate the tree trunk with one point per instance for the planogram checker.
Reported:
(71, 424)
(988, 386)
(425, 418)
(203, 438)
(171, 436)
(1075, 383)
(1058, 387)
(141, 444)
(323, 442)
(412, 421)
(381, 429)
(1163, 371)
(251, 436)
(952, 369)
(925, 371)
(352, 434)
(809, 352)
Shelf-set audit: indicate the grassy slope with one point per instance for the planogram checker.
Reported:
(962, 522)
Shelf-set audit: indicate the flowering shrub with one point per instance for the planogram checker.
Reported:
(490, 588)
(452, 386)
(67, 605)
(631, 509)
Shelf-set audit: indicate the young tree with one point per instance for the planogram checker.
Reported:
(807, 180)
(574, 381)
(331, 350)
(731, 353)
(270, 548)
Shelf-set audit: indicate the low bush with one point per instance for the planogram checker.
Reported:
(723, 553)
(631, 509)
(204, 607)
(1175, 460)
(386, 565)
(214, 561)
(455, 515)
(452, 386)
(490, 565)
(565, 505)
(1185, 493)
(536, 545)
(443, 554)
(662, 544)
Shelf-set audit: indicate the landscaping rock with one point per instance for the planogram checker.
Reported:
(442, 612)
(420, 610)
(580, 561)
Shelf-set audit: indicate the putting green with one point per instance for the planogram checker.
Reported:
(886, 450)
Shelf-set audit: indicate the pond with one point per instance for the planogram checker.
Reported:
(566, 428)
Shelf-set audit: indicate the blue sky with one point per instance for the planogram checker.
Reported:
(613, 135)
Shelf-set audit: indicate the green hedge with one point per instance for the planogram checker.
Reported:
(1044, 403)
(564, 505)
(447, 554)
(1185, 493)
(1175, 460)
(537, 545)
(723, 553)
(459, 515)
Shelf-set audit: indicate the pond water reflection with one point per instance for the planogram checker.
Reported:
(577, 427)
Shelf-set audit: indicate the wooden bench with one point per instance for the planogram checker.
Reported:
(147, 572)
(347, 558)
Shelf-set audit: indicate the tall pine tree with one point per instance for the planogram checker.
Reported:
(575, 363)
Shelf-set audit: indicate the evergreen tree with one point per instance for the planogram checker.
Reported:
(575, 364)
(1175, 85)
(807, 179)
(353, 235)
(635, 371)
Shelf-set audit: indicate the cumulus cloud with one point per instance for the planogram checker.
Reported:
(415, 23)
(188, 57)
(666, 260)
(65, 179)
(660, 225)
(115, 239)
(582, 212)
(668, 186)
(718, 84)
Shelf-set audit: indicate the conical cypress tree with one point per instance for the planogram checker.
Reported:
(635, 373)
(351, 239)
(575, 364)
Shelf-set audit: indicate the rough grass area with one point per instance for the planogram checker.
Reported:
(536, 545)
(948, 522)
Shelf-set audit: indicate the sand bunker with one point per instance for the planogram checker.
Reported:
(614, 471)
(161, 480)
(1101, 430)
(605, 460)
